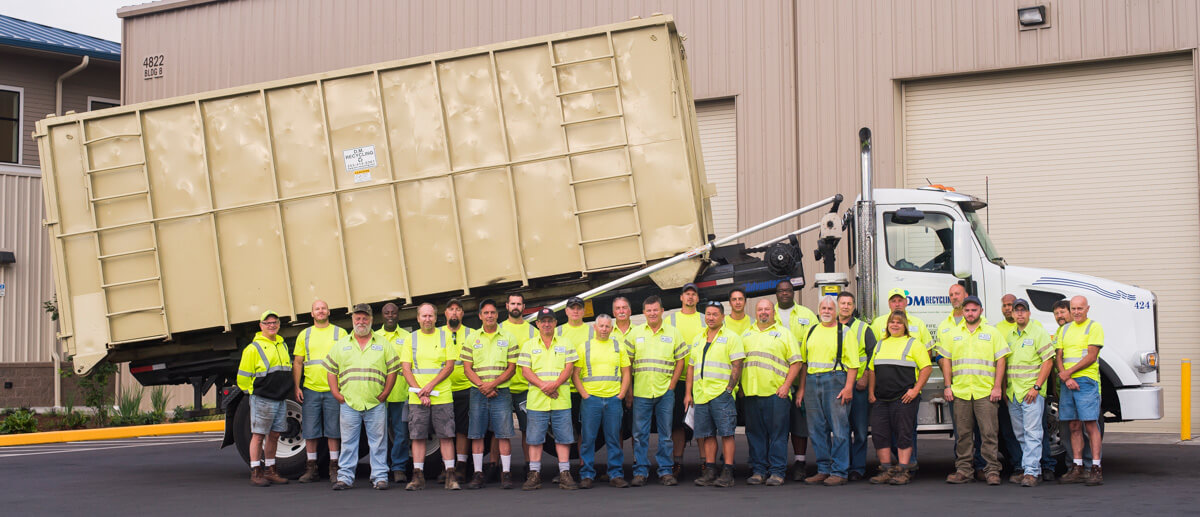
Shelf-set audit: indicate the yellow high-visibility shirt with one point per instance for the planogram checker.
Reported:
(797, 319)
(313, 345)
(547, 363)
(712, 363)
(739, 327)
(653, 354)
(490, 354)
(261, 357)
(973, 357)
(860, 329)
(362, 370)
(1031, 348)
(897, 363)
(916, 328)
(1074, 340)
(770, 352)
(522, 332)
(623, 337)
(819, 350)
(399, 340)
(458, 379)
(599, 364)
(427, 355)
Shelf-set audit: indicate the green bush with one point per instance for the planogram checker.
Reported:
(159, 398)
(129, 404)
(19, 421)
(95, 388)
(74, 420)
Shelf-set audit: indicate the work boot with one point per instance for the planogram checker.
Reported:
(754, 479)
(399, 477)
(638, 481)
(586, 483)
(452, 480)
(272, 475)
(333, 470)
(886, 472)
(901, 477)
(418, 481)
(834, 481)
(1016, 477)
(1047, 474)
(726, 479)
(460, 471)
(618, 482)
(256, 477)
(477, 481)
(533, 481)
(506, 481)
(566, 482)
(490, 472)
(442, 476)
(1075, 475)
(341, 485)
(677, 468)
(1095, 477)
(668, 480)
(958, 478)
(774, 480)
(992, 478)
(380, 485)
(310, 472)
(707, 478)
(816, 480)
(980, 475)
(1029, 480)
(799, 470)
(855, 476)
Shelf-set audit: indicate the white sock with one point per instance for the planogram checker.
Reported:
(255, 464)
(1096, 462)
(564, 466)
(449, 464)
(312, 456)
(799, 457)
(1079, 462)
(477, 459)
(418, 465)
(333, 455)
(461, 457)
(505, 463)
(270, 462)
(535, 467)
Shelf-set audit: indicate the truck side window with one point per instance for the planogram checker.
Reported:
(924, 245)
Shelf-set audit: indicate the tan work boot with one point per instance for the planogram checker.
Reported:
(418, 481)
(566, 482)
(256, 477)
(834, 481)
(310, 472)
(1075, 475)
(333, 469)
(460, 471)
(885, 475)
(1016, 477)
(399, 477)
(533, 481)
(902, 476)
(1095, 477)
(958, 478)
(452, 480)
(1029, 480)
(273, 476)
(816, 480)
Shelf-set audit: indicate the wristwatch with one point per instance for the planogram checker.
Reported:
(1037, 387)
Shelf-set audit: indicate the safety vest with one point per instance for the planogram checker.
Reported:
(769, 354)
(653, 356)
(739, 327)
(897, 361)
(1074, 340)
(362, 370)
(427, 355)
(260, 358)
(624, 338)
(819, 350)
(1030, 349)
(399, 340)
(712, 363)
(522, 332)
(490, 354)
(458, 338)
(313, 345)
(600, 364)
(859, 329)
(547, 363)
(973, 357)
(576, 335)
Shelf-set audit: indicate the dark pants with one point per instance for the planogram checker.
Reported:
(767, 434)
(401, 451)
(860, 410)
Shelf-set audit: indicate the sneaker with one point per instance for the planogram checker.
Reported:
(565, 481)
(398, 477)
(834, 481)
(726, 479)
(816, 480)
(1029, 480)
(992, 478)
(855, 476)
(1075, 475)
(1095, 477)
(586, 483)
(668, 480)
(310, 472)
(959, 478)
(506, 481)
(477, 481)
(756, 479)
(885, 475)
(901, 477)
(1016, 477)
(775, 480)
(533, 481)
(618, 483)
(380, 485)
(706, 479)
(418, 481)
(452, 480)
(638, 481)
(342, 485)
(799, 469)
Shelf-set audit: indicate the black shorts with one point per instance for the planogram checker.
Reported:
(518, 402)
(798, 421)
(462, 411)
(677, 412)
(892, 423)
(576, 412)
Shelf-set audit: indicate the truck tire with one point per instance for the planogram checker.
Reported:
(289, 456)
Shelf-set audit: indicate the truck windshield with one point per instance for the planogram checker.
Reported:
(981, 234)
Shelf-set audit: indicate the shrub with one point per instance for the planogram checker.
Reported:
(129, 405)
(158, 403)
(19, 421)
(94, 387)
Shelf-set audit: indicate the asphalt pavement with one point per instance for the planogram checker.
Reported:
(189, 475)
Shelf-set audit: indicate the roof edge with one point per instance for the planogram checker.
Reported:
(133, 11)
(60, 50)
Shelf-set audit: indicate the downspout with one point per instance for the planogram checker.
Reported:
(58, 86)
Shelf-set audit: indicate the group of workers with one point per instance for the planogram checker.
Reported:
(823, 378)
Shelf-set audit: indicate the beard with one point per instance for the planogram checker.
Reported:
(362, 330)
(453, 322)
(514, 314)
(972, 321)
(826, 318)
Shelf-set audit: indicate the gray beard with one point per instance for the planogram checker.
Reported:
(362, 331)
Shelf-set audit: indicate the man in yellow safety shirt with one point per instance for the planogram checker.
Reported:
(772, 365)
(973, 360)
(690, 323)
(737, 320)
(397, 401)
(831, 364)
(361, 373)
(489, 359)
(603, 380)
(318, 409)
(427, 363)
(796, 319)
(458, 333)
(860, 406)
(518, 387)
(1078, 352)
(657, 353)
(714, 369)
(547, 362)
(1028, 370)
(265, 373)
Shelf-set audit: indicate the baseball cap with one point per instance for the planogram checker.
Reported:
(896, 291)
(363, 308)
(574, 300)
(975, 300)
(266, 314)
(545, 313)
(1022, 302)
(691, 286)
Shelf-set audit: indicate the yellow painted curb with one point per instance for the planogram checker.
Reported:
(111, 433)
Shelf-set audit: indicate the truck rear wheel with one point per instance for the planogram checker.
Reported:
(289, 456)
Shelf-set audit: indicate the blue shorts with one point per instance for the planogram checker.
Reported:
(267, 415)
(1082, 404)
(557, 420)
(490, 414)
(717, 417)
(319, 415)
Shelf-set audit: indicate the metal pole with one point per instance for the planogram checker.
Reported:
(806, 229)
(864, 222)
(1185, 400)
(695, 252)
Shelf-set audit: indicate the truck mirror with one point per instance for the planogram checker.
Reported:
(964, 249)
(907, 215)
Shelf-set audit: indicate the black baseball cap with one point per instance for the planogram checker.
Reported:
(545, 312)
(975, 300)
(1022, 302)
(691, 286)
(574, 300)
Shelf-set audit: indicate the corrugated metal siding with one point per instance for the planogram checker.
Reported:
(26, 331)
(717, 121)
(1076, 158)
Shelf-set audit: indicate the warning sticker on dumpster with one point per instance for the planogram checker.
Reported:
(362, 176)
(359, 158)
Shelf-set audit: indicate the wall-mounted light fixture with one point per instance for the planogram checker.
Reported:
(1032, 17)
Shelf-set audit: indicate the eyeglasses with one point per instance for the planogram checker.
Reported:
(270, 323)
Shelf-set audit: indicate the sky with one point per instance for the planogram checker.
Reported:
(96, 18)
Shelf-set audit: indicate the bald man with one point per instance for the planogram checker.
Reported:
(318, 409)
(1077, 353)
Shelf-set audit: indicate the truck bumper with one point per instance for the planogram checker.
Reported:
(1141, 403)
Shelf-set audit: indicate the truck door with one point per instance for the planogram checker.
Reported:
(917, 254)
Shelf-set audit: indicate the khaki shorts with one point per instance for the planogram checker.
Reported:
(435, 421)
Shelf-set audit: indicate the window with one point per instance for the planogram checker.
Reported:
(99, 103)
(923, 243)
(10, 125)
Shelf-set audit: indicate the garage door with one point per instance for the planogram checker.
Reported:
(718, 142)
(1098, 158)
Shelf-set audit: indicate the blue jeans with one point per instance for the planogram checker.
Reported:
(397, 414)
(598, 413)
(828, 422)
(1027, 426)
(860, 414)
(659, 409)
(319, 415)
(767, 434)
(490, 414)
(375, 421)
